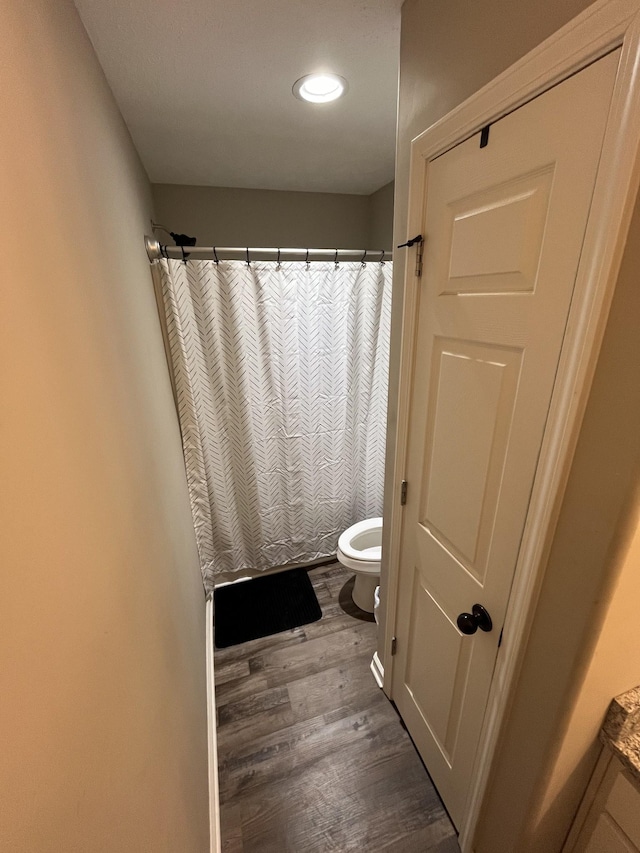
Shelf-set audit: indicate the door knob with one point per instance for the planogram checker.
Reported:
(478, 618)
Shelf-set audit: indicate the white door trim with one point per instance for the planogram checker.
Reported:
(601, 28)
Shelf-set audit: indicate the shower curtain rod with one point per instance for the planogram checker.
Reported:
(155, 251)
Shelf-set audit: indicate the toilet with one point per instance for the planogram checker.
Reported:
(360, 549)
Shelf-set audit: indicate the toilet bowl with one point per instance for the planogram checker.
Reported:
(360, 549)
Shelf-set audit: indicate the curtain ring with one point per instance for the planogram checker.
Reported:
(335, 260)
(307, 259)
(163, 252)
(248, 259)
(362, 259)
(184, 257)
(382, 257)
(278, 261)
(216, 259)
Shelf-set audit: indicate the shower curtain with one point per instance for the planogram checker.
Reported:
(281, 382)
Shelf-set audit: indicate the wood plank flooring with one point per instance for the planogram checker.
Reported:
(313, 757)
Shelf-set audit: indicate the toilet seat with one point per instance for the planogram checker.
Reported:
(360, 546)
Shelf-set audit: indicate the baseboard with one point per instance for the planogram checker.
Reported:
(377, 669)
(214, 794)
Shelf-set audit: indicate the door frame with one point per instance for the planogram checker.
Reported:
(602, 27)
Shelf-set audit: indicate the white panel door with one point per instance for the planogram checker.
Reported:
(504, 226)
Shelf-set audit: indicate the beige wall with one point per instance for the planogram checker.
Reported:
(381, 218)
(103, 710)
(224, 216)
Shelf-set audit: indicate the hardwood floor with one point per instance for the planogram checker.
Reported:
(313, 757)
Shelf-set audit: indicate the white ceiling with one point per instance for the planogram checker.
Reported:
(205, 88)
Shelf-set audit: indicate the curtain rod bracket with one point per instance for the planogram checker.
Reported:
(411, 242)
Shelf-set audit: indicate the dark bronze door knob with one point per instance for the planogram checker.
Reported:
(478, 618)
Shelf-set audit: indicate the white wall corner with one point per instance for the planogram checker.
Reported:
(214, 792)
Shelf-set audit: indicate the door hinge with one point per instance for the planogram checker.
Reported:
(403, 493)
(419, 249)
(500, 637)
(484, 136)
(394, 645)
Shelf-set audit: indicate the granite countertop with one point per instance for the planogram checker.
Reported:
(621, 730)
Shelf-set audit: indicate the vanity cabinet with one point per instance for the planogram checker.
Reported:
(609, 820)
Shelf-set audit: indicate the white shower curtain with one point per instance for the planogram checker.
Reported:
(281, 382)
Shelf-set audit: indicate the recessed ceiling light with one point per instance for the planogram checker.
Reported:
(320, 88)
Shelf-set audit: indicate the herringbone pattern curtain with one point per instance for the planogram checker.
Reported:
(281, 378)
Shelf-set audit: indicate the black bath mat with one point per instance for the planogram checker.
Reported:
(263, 606)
